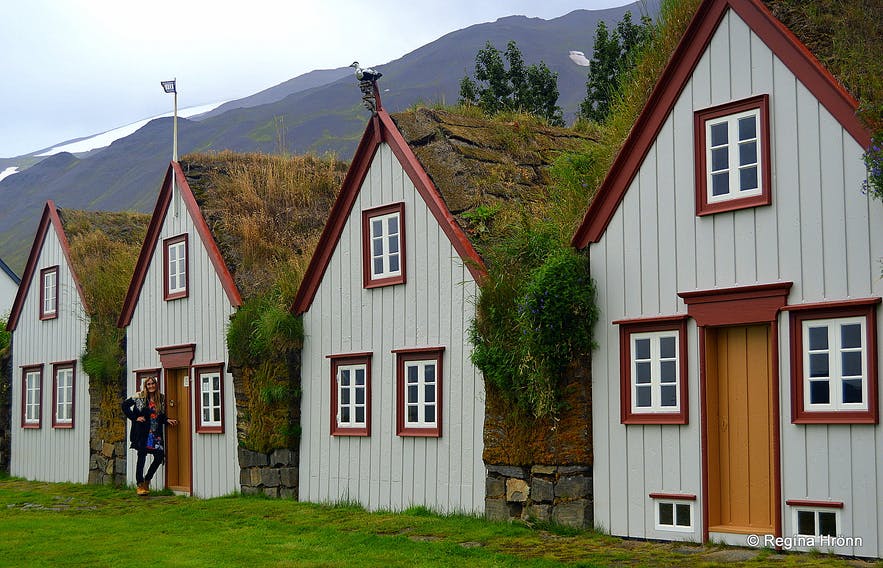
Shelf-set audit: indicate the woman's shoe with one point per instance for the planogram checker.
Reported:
(142, 490)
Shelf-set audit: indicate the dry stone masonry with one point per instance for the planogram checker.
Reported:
(274, 474)
(549, 493)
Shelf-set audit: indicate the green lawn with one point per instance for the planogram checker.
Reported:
(52, 524)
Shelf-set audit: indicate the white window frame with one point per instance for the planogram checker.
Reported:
(835, 375)
(49, 293)
(179, 263)
(421, 403)
(351, 391)
(655, 361)
(215, 390)
(733, 157)
(32, 393)
(815, 511)
(384, 237)
(64, 396)
(675, 503)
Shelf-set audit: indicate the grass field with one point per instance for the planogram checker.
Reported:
(53, 524)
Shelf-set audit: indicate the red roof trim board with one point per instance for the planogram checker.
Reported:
(50, 216)
(153, 231)
(677, 73)
(380, 129)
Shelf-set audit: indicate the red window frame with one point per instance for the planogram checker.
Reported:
(43, 273)
(24, 397)
(865, 307)
(56, 367)
(627, 328)
(338, 361)
(419, 354)
(368, 281)
(166, 244)
(197, 402)
(700, 118)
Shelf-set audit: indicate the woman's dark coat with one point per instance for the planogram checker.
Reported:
(134, 407)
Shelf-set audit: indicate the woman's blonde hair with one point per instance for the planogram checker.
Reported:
(160, 397)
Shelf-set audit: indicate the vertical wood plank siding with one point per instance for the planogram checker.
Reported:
(820, 232)
(434, 308)
(47, 453)
(200, 318)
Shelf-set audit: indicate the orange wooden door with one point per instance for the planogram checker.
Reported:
(741, 447)
(178, 455)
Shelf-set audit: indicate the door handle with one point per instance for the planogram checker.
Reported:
(172, 403)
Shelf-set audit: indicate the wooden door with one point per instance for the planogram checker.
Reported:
(178, 455)
(741, 456)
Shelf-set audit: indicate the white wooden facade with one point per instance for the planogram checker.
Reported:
(52, 451)
(819, 233)
(199, 319)
(8, 288)
(433, 308)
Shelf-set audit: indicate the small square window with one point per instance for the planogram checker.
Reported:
(732, 156)
(383, 246)
(653, 358)
(209, 399)
(418, 391)
(817, 521)
(63, 391)
(176, 277)
(31, 396)
(833, 362)
(49, 293)
(674, 514)
(351, 394)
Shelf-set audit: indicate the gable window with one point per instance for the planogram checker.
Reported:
(31, 396)
(732, 156)
(418, 391)
(49, 293)
(210, 399)
(63, 395)
(383, 245)
(653, 370)
(351, 394)
(175, 273)
(833, 362)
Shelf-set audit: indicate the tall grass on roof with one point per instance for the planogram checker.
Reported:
(266, 213)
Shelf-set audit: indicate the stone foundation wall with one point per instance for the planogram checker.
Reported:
(107, 463)
(5, 415)
(558, 494)
(274, 474)
(107, 436)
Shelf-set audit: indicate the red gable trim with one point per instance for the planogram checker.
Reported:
(692, 46)
(381, 129)
(153, 231)
(50, 216)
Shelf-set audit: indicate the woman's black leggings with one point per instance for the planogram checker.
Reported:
(139, 465)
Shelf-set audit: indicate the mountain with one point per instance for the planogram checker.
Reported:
(317, 112)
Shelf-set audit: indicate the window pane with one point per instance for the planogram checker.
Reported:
(429, 393)
(412, 393)
(642, 372)
(668, 371)
(393, 244)
(720, 159)
(747, 153)
(378, 266)
(720, 184)
(666, 514)
(851, 335)
(394, 263)
(667, 346)
(806, 522)
(206, 415)
(683, 515)
(412, 413)
(345, 396)
(748, 178)
(205, 399)
(344, 377)
(642, 349)
(393, 224)
(216, 382)
(852, 363)
(360, 414)
(818, 338)
(430, 414)
(217, 414)
(852, 391)
(344, 414)
(376, 228)
(360, 396)
(377, 245)
(719, 134)
(429, 373)
(669, 395)
(360, 376)
(747, 128)
(827, 524)
(643, 395)
(818, 365)
(217, 399)
(819, 392)
(412, 374)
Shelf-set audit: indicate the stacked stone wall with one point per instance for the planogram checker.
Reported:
(107, 435)
(274, 474)
(559, 494)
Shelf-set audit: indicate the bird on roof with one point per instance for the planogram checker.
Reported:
(367, 74)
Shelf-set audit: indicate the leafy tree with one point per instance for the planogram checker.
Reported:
(614, 54)
(520, 87)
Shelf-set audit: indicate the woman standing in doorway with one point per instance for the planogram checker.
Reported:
(147, 411)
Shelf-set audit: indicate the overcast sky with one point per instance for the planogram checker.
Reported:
(74, 68)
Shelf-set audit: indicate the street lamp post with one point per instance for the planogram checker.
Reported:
(169, 87)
